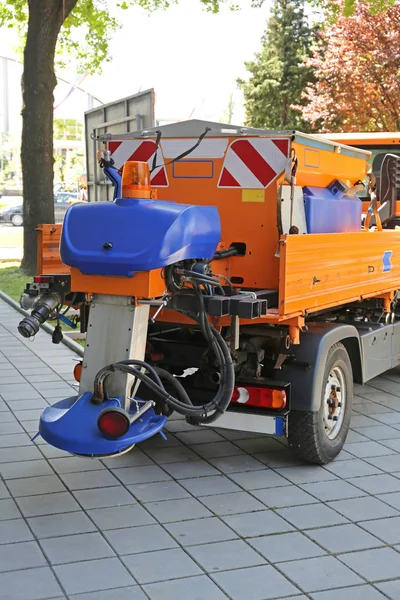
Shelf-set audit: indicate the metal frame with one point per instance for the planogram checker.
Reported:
(117, 330)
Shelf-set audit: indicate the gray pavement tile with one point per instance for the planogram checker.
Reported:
(390, 588)
(31, 486)
(199, 436)
(200, 531)
(52, 452)
(377, 484)
(10, 427)
(176, 589)
(187, 470)
(44, 377)
(236, 464)
(284, 496)
(92, 575)
(6, 414)
(393, 445)
(227, 504)
(306, 474)
(14, 531)
(30, 584)
(208, 486)
(322, 573)
(261, 444)
(171, 455)
(353, 468)
(75, 464)
(218, 449)
(257, 523)
(256, 583)
(178, 510)
(391, 499)
(4, 493)
(147, 474)
(15, 440)
(333, 490)
(8, 510)
(163, 490)
(126, 593)
(257, 480)
(219, 556)
(374, 565)
(18, 405)
(368, 449)
(387, 530)
(73, 548)
(315, 515)
(178, 424)
(390, 464)
(23, 555)
(361, 592)
(28, 415)
(61, 524)
(344, 538)
(89, 479)
(379, 432)
(31, 468)
(161, 565)
(100, 498)
(134, 458)
(391, 418)
(47, 504)
(362, 509)
(286, 546)
(121, 517)
(132, 540)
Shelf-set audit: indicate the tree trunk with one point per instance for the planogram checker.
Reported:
(38, 82)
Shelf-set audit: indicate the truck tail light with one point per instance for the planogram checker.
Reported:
(136, 180)
(113, 423)
(43, 279)
(261, 397)
(78, 371)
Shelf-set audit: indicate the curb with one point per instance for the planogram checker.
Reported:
(46, 327)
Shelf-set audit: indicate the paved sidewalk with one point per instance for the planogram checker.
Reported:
(206, 515)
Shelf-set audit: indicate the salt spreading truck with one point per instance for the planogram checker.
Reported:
(230, 280)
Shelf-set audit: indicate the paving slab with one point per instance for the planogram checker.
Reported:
(208, 515)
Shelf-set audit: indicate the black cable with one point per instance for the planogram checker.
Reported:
(183, 154)
(197, 414)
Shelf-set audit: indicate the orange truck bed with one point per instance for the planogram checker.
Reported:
(240, 172)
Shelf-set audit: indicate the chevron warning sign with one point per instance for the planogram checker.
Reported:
(254, 163)
(143, 150)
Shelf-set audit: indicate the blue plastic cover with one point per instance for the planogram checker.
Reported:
(327, 212)
(130, 235)
(71, 425)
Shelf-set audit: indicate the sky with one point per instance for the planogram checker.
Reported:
(190, 57)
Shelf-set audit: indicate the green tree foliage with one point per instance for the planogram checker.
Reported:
(52, 29)
(278, 75)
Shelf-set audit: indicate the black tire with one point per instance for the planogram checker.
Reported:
(307, 435)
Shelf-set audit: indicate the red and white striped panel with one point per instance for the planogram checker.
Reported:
(254, 163)
(142, 150)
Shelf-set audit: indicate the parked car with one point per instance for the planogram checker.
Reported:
(62, 200)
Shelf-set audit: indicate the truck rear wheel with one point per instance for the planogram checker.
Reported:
(318, 437)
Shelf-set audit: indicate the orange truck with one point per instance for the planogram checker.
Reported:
(230, 280)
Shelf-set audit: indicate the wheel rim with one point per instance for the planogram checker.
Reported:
(17, 220)
(334, 402)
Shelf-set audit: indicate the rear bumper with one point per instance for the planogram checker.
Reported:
(253, 422)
